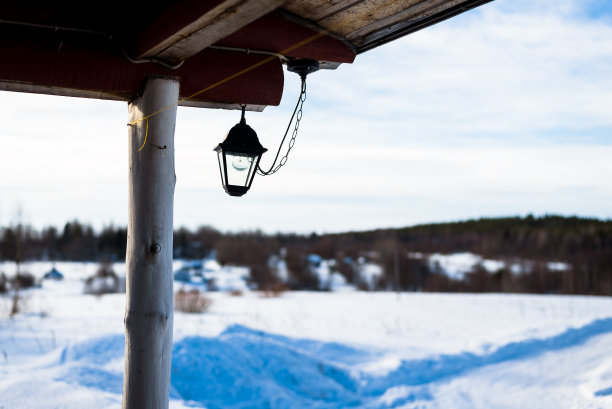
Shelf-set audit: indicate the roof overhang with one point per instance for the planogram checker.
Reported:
(108, 50)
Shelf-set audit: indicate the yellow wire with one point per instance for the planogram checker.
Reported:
(146, 133)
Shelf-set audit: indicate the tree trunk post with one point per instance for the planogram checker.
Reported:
(149, 279)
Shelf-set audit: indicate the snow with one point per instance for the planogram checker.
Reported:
(321, 269)
(369, 273)
(457, 265)
(557, 266)
(279, 267)
(454, 265)
(337, 282)
(329, 279)
(316, 349)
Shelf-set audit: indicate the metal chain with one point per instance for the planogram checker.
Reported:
(298, 117)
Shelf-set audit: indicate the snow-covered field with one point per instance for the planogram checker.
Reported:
(316, 350)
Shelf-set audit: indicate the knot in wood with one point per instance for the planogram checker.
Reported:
(155, 248)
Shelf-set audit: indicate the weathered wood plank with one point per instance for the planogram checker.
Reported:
(206, 29)
(365, 22)
(419, 10)
(315, 10)
(405, 27)
(363, 14)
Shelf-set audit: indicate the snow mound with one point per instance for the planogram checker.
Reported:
(320, 350)
(245, 366)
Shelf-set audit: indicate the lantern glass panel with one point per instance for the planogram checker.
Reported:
(240, 168)
(222, 166)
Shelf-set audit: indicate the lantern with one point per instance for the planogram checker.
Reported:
(240, 152)
(239, 156)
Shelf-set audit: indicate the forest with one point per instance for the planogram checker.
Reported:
(583, 244)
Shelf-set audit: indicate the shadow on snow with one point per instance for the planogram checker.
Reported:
(243, 367)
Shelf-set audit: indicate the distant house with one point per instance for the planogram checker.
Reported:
(210, 276)
(53, 274)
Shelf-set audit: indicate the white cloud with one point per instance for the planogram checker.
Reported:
(494, 72)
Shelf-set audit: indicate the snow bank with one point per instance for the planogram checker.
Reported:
(242, 366)
(324, 350)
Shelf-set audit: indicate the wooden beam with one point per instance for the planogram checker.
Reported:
(191, 37)
(96, 72)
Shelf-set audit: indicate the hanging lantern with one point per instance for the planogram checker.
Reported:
(239, 156)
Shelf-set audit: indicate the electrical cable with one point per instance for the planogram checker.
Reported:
(150, 60)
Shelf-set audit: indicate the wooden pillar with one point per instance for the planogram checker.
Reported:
(149, 279)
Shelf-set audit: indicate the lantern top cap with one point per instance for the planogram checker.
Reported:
(241, 139)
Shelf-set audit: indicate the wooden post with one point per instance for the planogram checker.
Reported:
(149, 279)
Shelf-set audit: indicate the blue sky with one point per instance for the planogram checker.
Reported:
(505, 110)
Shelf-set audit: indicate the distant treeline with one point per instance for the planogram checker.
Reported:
(584, 244)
